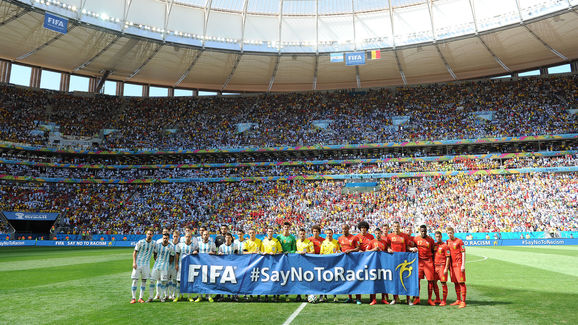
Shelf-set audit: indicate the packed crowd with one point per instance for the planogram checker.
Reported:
(326, 169)
(528, 202)
(532, 106)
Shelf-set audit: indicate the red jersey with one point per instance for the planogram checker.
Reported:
(399, 243)
(364, 241)
(456, 249)
(348, 242)
(381, 244)
(425, 247)
(316, 243)
(441, 252)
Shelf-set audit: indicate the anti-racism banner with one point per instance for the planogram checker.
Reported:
(358, 273)
(30, 216)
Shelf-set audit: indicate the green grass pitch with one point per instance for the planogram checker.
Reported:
(506, 285)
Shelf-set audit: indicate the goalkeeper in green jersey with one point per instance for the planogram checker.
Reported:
(288, 243)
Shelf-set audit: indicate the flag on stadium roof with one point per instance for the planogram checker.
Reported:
(374, 55)
(336, 57)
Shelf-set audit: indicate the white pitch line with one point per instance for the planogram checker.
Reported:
(295, 313)
(483, 259)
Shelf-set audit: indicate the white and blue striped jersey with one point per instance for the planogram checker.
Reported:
(240, 245)
(164, 253)
(199, 239)
(208, 247)
(228, 250)
(144, 252)
(183, 249)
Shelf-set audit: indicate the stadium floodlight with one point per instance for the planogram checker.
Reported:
(104, 16)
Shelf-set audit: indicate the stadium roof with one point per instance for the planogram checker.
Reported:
(285, 45)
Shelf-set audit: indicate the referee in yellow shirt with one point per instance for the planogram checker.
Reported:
(271, 246)
(253, 245)
(304, 246)
(329, 246)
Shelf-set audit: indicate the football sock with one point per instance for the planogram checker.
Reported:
(458, 293)
(445, 291)
(133, 289)
(151, 290)
(436, 290)
(143, 287)
(429, 289)
(385, 296)
(464, 290)
(177, 290)
(358, 297)
(164, 286)
(159, 289)
(372, 297)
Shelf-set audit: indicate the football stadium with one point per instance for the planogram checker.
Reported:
(288, 161)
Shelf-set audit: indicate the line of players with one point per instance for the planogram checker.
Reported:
(436, 258)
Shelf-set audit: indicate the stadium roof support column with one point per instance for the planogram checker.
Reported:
(393, 44)
(208, 4)
(64, 82)
(272, 81)
(232, 71)
(315, 72)
(5, 70)
(574, 66)
(135, 72)
(120, 88)
(171, 92)
(473, 10)
(146, 90)
(50, 41)
(16, 16)
(446, 62)
(279, 28)
(431, 20)
(243, 24)
(560, 55)
(186, 73)
(35, 76)
(85, 64)
(168, 10)
(92, 85)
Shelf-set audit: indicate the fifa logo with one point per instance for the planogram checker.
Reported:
(403, 267)
(213, 273)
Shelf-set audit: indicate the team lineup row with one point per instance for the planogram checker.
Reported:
(436, 258)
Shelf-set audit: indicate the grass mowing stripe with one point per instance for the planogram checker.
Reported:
(33, 253)
(61, 261)
(550, 262)
(544, 297)
(543, 250)
(16, 280)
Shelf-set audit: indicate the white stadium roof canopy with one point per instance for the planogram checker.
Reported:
(285, 45)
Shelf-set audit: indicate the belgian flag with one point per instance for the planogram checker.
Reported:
(373, 55)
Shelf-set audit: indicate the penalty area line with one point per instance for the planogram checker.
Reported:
(483, 259)
(295, 313)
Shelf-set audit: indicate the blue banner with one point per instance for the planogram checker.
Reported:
(354, 273)
(55, 23)
(355, 58)
(11, 243)
(75, 243)
(30, 216)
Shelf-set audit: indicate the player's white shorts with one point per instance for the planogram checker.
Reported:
(172, 273)
(142, 272)
(160, 275)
